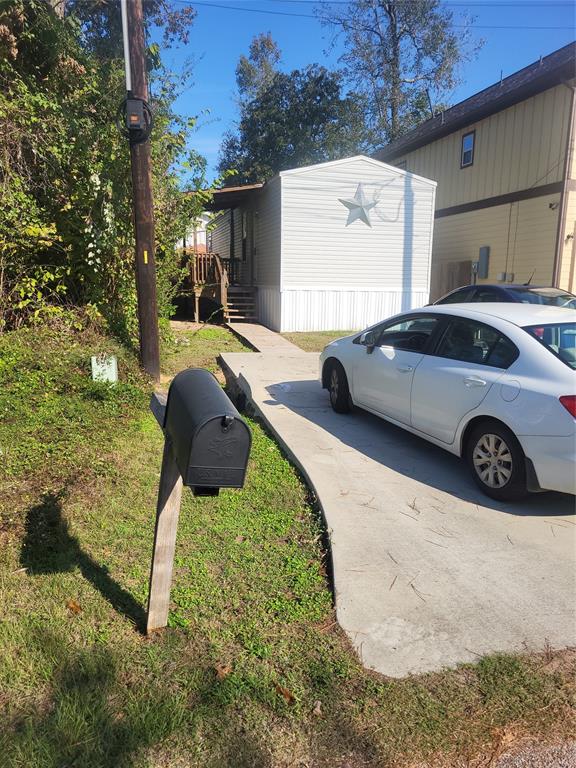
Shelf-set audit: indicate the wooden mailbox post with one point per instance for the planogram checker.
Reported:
(167, 514)
(206, 447)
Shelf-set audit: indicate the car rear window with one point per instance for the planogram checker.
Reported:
(456, 297)
(558, 338)
(551, 296)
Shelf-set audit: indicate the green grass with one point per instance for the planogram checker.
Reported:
(197, 349)
(314, 341)
(252, 643)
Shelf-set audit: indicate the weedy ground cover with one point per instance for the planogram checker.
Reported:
(253, 670)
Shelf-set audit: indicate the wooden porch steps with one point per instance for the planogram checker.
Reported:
(241, 306)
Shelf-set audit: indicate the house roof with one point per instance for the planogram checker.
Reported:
(345, 160)
(548, 71)
(231, 197)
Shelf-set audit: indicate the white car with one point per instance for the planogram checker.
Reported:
(493, 383)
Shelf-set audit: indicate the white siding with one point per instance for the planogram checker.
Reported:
(268, 303)
(320, 251)
(267, 235)
(343, 310)
(313, 271)
(220, 235)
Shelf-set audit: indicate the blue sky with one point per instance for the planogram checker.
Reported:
(219, 36)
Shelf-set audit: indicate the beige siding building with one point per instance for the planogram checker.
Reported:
(505, 165)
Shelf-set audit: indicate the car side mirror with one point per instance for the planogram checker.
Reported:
(368, 340)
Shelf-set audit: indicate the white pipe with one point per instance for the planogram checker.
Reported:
(124, 9)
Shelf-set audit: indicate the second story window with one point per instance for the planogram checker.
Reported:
(467, 152)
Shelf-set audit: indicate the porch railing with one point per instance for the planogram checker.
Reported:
(208, 277)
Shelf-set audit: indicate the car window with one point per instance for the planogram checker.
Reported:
(374, 332)
(487, 294)
(473, 342)
(552, 296)
(411, 334)
(560, 339)
(456, 297)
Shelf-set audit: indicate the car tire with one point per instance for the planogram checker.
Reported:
(338, 388)
(496, 461)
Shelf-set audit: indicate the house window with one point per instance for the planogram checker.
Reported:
(467, 154)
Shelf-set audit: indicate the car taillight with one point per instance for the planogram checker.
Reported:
(569, 402)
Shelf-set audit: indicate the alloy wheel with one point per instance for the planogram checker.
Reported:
(492, 460)
(334, 385)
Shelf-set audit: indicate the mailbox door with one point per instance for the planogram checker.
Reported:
(219, 456)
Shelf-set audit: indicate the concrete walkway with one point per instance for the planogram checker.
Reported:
(263, 339)
(428, 572)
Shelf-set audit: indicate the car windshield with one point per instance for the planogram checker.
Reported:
(559, 338)
(551, 296)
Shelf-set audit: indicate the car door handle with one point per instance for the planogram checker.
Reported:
(405, 368)
(474, 381)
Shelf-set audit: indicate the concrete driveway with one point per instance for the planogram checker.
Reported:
(428, 572)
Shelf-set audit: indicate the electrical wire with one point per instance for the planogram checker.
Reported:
(203, 4)
(449, 3)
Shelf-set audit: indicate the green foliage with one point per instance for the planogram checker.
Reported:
(294, 119)
(399, 55)
(48, 396)
(255, 72)
(32, 295)
(65, 202)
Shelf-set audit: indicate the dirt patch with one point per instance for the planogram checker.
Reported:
(185, 325)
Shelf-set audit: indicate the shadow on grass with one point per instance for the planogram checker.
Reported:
(103, 711)
(49, 547)
(93, 719)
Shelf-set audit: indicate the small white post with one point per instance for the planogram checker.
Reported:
(125, 40)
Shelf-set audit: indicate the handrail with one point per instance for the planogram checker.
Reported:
(222, 279)
(208, 269)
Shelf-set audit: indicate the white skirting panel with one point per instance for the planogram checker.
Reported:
(338, 310)
(268, 300)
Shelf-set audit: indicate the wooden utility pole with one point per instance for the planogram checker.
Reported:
(143, 204)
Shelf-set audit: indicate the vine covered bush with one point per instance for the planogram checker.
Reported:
(66, 234)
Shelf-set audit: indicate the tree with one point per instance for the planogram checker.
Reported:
(65, 193)
(400, 56)
(301, 117)
(255, 72)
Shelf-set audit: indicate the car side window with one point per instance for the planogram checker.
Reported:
(472, 342)
(410, 334)
(374, 334)
(456, 297)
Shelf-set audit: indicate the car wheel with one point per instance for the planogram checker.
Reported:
(496, 461)
(338, 388)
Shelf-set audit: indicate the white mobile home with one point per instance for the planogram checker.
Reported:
(333, 246)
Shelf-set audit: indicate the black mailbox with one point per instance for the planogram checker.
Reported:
(210, 441)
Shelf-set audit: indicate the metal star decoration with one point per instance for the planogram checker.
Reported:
(358, 207)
